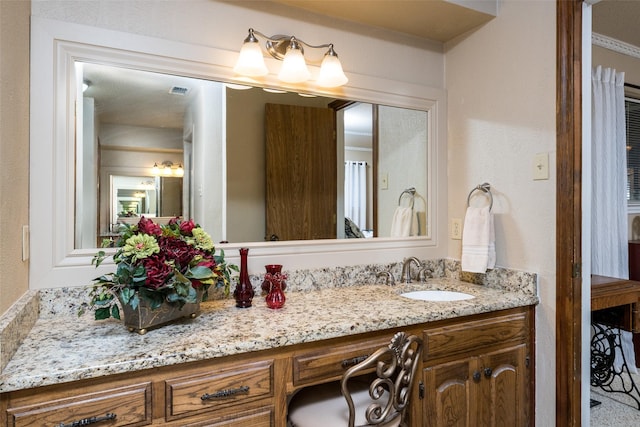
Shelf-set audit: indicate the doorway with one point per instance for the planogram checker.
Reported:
(569, 213)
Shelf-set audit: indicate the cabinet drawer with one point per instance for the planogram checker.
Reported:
(239, 384)
(331, 362)
(473, 335)
(262, 417)
(124, 406)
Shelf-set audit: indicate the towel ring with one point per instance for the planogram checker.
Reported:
(411, 192)
(486, 188)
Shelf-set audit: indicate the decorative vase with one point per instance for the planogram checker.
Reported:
(244, 291)
(272, 269)
(143, 317)
(275, 298)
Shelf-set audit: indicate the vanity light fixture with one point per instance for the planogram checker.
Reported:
(167, 168)
(289, 50)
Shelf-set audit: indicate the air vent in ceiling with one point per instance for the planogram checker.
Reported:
(177, 90)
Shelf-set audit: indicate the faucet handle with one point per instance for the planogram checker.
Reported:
(422, 274)
(388, 277)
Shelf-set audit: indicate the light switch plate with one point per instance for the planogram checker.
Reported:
(384, 181)
(25, 242)
(541, 166)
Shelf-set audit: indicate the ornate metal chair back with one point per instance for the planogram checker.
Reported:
(390, 390)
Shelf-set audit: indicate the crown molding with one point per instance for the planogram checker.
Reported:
(615, 45)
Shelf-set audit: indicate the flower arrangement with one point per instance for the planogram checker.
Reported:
(159, 263)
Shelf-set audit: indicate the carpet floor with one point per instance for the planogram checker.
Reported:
(615, 409)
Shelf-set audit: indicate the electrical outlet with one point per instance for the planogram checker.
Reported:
(456, 228)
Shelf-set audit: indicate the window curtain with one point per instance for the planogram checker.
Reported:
(609, 234)
(355, 192)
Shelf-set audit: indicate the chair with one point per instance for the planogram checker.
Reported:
(379, 398)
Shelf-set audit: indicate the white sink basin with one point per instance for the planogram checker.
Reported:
(437, 295)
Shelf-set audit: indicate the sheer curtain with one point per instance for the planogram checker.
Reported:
(609, 234)
(355, 192)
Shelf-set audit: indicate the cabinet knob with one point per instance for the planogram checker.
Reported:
(477, 376)
(488, 372)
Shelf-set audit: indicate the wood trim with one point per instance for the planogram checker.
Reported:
(568, 212)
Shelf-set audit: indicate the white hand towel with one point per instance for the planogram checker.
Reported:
(402, 223)
(478, 240)
(491, 263)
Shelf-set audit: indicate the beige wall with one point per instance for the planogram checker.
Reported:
(501, 97)
(14, 147)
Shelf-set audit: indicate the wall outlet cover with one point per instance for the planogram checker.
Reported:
(456, 228)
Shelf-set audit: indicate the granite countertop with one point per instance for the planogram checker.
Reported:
(65, 348)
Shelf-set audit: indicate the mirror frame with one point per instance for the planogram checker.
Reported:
(56, 45)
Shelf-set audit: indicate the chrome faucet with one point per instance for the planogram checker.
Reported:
(406, 268)
(388, 277)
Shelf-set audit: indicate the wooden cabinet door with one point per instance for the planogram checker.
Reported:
(503, 385)
(484, 391)
(450, 395)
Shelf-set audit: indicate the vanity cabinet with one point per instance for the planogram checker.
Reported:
(476, 371)
(479, 373)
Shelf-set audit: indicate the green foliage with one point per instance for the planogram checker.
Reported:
(166, 280)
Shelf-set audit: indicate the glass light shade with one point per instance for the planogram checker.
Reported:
(155, 170)
(251, 62)
(331, 74)
(294, 68)
(179, 171)
(167, 170)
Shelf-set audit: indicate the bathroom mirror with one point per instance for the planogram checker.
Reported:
(132, 120)
(60, 211)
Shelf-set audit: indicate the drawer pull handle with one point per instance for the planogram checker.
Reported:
(488, 372)
(89, 421)
(351, 362)
(477, 376)
(225, 393)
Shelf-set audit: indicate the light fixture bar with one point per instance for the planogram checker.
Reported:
(290, 50)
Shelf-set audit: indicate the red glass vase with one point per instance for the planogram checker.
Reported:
(244, 291)
(272, 270)
(275, 298)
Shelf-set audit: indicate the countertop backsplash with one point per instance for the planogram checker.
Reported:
(15, 325)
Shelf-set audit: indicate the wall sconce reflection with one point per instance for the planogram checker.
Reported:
(167, 168)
